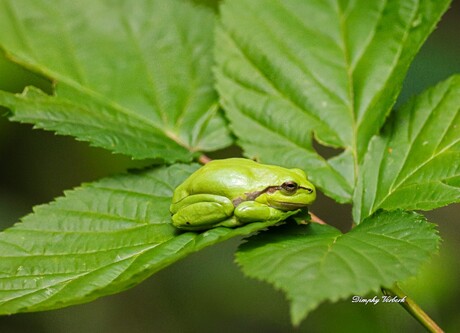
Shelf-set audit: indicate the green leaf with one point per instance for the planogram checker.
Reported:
(99, 239)
(414, 163)
(288, 70)
(315, 263)
(134, 78)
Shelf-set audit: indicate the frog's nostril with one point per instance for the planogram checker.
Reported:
(309, 190)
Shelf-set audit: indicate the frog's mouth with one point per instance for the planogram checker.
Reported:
(288, 205)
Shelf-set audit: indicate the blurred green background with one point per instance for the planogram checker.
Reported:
(206, 292)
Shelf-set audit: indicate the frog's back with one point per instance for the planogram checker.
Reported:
(229, 177)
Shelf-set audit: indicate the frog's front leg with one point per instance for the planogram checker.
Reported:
(201, 211)
(252, 211)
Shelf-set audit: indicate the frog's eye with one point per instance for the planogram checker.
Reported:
(290, 187)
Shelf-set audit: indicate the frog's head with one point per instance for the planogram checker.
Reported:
(294, 191)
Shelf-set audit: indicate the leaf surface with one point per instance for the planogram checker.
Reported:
(99, 239)
(415, 162)
(134, 78)
(290, 70)
(315, 263)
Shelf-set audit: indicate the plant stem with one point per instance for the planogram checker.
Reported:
(203, 159)
(316, 219)
(413, 309)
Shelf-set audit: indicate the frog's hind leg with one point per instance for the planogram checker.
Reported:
(202, 211)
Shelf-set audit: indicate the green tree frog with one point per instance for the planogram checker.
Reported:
(235, 191)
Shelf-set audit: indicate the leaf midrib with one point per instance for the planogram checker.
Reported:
(396, 186)
(94, 94)
(74, 278)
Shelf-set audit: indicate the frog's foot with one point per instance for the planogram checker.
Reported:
(231, 222)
